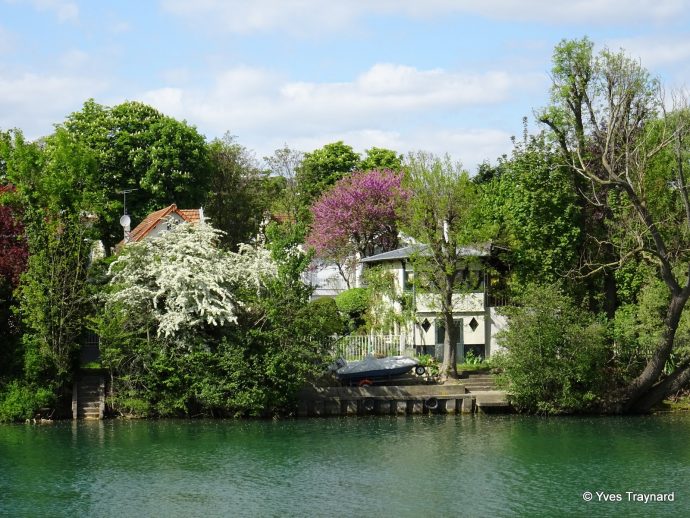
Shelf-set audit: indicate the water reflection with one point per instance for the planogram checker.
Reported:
(403, 466)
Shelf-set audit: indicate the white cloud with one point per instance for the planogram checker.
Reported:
(304, 17)
(384, 106)
(34, 102)
(655, 51)
(470, 146)
(251, 98)
(64, 10)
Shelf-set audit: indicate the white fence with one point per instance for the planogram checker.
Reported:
(356, 347)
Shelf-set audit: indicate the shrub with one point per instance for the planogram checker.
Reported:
(19, 401)
(555, 354)
(353, 305)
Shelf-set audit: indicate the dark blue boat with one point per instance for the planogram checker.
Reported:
(372, 370)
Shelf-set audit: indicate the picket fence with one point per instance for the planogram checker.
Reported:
(356, 347)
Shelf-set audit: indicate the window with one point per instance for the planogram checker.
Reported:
(408, 279)
(441, 330)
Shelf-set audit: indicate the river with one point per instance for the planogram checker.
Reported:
(369, 466)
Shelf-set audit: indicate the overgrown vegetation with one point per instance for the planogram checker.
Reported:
(591, 218)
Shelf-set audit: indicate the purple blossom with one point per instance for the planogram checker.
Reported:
(358, 214)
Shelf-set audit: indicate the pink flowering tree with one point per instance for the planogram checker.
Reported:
(358, 215)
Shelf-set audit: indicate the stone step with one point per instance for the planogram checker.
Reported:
(90, 393)
(478, 375)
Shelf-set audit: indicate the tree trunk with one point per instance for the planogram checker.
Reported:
(672, 384)
(640, 389)
(449, 368)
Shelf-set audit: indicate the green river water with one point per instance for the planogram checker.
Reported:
(377, 466)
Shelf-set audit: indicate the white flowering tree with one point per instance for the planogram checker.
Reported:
(188, 328)
(183, 282)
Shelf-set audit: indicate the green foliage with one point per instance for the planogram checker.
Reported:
(556, 354)
(381, 158)
(637, 329)
(472, 359)
(137, 147)
(20, 401)
(324, 167)
(324, 312)
(57, 175)
(534, 204)
(53, 297)
(353, 305)
(388, 305)
(240, 193)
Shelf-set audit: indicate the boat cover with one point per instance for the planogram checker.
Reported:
(373, 364)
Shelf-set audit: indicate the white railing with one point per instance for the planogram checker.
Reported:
(356, 347)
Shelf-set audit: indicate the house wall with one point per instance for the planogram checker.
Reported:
(162, 225)
(498, 323)
(466, 307)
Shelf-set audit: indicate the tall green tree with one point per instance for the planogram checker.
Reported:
(136, 147)
(534, 202)
(324, 167)
(442, 215)
(381, 158)
(609, 119)
(240, 192)
(53, 297)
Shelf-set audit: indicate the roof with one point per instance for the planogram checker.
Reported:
(407, 251)
(394, 255)
(149, 223)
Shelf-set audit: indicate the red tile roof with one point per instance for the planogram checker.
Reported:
(149, 223)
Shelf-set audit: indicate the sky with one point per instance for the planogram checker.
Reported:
(445, 76)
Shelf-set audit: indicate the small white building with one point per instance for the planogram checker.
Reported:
(475, 310)
(161, 221)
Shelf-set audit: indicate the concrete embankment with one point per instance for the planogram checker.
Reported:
(398, 399)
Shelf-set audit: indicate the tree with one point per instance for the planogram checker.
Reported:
(53, 297)
(285, 163)
(183, 282)
(535, 205)
(324, 167)
(358, 215)
(56, 174)
(136, 147)
(441, 215)
(381, 158)
(239, 196)
(609, 120)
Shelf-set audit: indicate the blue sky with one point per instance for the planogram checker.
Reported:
(452, 76)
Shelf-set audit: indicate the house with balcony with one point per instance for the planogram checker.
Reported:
(475, 305)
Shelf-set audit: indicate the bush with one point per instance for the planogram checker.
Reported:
(19, 401)
(353, 305)
(555, 354)
(324, 313)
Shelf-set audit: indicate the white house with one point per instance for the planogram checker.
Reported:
(475, 310)
(160, 221)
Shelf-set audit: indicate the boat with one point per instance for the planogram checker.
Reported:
(371, 370)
